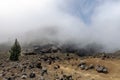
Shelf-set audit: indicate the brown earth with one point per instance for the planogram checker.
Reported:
(68, 66)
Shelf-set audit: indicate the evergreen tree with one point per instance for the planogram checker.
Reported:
(15, 51)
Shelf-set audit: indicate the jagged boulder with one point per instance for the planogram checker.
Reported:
(101, 69)
(24, 76)
(91, 66)
(32, 75)
(82, 65)
(38, 65)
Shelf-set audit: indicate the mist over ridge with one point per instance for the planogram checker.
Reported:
(80, 22)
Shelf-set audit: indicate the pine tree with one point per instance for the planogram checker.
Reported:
(15, 51)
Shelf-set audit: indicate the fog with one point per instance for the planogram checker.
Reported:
(61, 21)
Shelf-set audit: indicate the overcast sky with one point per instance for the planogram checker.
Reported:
(82, 21)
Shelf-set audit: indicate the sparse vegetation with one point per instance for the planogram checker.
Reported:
(15, 51)
(62, 67)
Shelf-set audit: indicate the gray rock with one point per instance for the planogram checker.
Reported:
(24, 76)
(91, 66)
(9, 78)
(82, 67)
(31, 66)
(56, 67)
(44, 71)
(101, 69)
(66, 77)
(38, 65)
(32, 75)
(86, 67)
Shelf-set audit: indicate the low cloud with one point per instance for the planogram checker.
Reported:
(59, 21)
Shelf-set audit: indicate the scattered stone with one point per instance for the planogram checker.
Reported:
(82, 67)
(9, 78)
(56, 67)
(49, 62)
(24, 76)
(2, 65)
(44, 71)
(32, 75)
(86, 67)
(91, 66)
(24, 66)
(1, 74)
(31, 66)
(66, 77)
(101, 69)
(38, 65)
(82, 63)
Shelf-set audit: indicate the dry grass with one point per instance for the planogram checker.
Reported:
(68, 67)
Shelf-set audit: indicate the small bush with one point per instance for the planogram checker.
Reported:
(15, 51)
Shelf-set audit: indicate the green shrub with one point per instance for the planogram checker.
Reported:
(15, 51)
